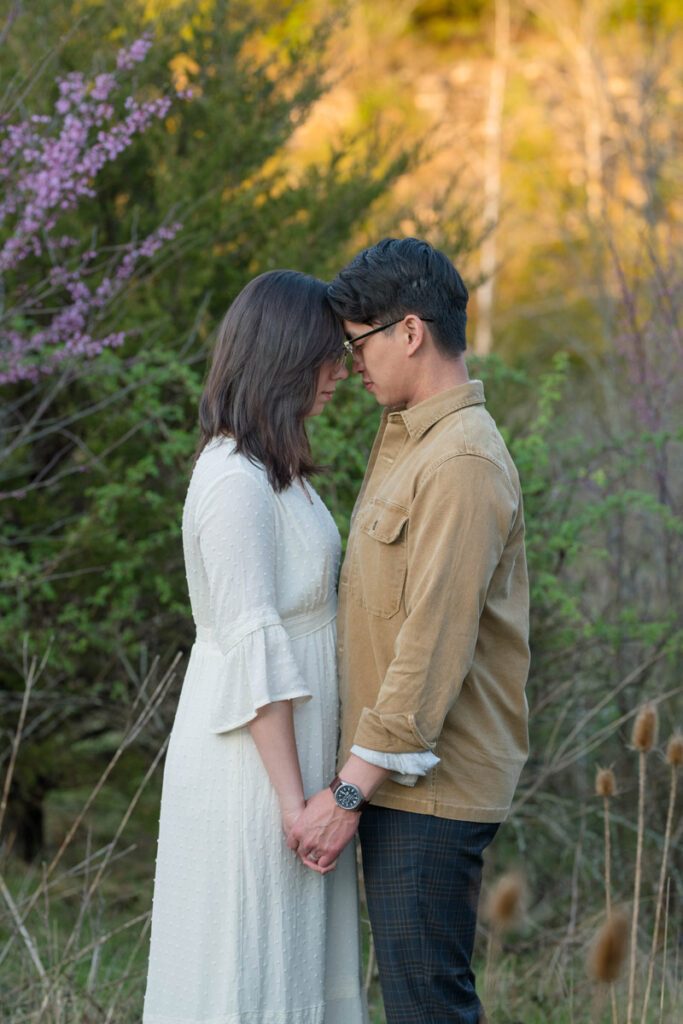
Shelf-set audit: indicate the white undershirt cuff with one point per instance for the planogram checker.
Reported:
(405, 768)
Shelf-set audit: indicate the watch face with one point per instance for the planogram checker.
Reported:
(348, 796)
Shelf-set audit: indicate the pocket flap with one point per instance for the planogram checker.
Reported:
(384, 522)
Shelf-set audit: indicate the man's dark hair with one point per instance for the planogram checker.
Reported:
(263, 379)
(400, 276)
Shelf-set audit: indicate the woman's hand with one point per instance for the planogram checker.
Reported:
(289, 812)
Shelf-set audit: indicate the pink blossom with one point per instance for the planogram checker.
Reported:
(104, 84)
(136, 53)
(47, 166)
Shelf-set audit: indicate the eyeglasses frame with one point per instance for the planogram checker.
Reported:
(350, 343)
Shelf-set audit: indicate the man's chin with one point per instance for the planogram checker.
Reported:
(371, 390)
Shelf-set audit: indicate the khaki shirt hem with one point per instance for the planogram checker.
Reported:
(439, 809)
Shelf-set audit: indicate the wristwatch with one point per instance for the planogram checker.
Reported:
(348, 796)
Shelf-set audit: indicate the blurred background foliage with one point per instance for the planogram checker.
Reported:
(538, 144)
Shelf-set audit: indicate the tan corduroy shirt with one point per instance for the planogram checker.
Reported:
(434, 608)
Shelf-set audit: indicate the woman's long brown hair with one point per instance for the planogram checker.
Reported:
(263, 380)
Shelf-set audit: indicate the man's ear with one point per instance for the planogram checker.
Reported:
(415, 334)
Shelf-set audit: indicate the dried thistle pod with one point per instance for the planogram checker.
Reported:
(608, 952)
(506, 900)
(605, 782)
(674, 750)
(645, 728)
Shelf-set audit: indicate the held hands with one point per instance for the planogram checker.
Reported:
(290, 813)
(324, 828)
(321, 832)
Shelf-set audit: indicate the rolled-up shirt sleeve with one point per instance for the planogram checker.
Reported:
(235, 524)
(457, 528)
(405, 769)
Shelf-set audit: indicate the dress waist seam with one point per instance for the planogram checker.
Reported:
(296, 625)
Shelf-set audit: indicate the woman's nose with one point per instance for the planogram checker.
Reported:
(341, 371)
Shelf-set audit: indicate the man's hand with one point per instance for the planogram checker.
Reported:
(322, 831)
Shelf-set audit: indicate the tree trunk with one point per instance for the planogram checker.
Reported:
(24, 826)
(493, 130)
(591, 98)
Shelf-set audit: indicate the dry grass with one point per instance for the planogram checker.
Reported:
(568, 971)
(74, 932)
(61, 924)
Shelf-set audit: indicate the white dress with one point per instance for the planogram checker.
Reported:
(242, 932)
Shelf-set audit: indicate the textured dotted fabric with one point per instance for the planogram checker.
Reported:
(242, 932)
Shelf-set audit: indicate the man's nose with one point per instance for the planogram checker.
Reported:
(357, 364)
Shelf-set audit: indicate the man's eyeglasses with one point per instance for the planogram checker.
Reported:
(350, 343)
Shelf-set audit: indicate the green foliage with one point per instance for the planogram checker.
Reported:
(603, 549)
(445, 20)
(94, 464)
(649, 13)
(136, 413)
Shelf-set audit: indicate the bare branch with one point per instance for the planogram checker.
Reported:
(33, 673)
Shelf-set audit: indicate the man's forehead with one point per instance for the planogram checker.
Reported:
(352, 329)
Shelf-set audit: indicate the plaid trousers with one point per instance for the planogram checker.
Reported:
(422, 880)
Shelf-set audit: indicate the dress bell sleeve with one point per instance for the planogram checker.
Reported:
(235, 525)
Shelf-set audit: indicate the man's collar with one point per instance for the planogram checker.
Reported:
(425, 414)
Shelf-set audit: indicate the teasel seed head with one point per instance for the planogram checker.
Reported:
(674, 750)
(645, 728)
(609, 949)
(506, 900)
(605, 783)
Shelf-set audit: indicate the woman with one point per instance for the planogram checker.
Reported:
(243, 932)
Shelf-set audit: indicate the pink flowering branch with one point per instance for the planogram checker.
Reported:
(48, 165)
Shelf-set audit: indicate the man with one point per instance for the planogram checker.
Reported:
(433, 628)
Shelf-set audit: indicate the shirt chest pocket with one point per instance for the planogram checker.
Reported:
(380, 560)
